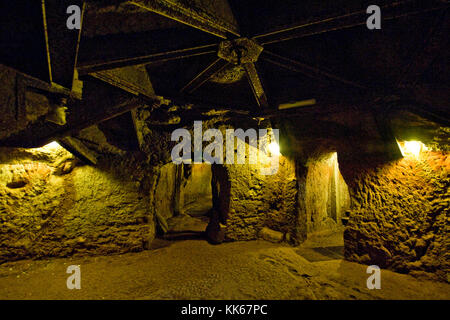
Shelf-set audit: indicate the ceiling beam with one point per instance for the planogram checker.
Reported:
(305, 69)
(115, 51)
(394, 10)
(109, 103)
(214, 17)
(256, 85)
(62, 43)
(41, 134)
(89, 67)
(132, 79)
(215, 67)
(77, 148)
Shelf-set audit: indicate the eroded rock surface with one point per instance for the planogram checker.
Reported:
(49, 206)
(400, 215)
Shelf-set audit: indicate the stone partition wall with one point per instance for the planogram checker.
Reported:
(248, 202)
(302, 197)
(182, 190)
(163, 194)
(327, 197)
(195, 190)
(400, 214)
(52, 205)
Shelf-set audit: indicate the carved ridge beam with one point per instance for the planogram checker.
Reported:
(391, 11)
(24, 82)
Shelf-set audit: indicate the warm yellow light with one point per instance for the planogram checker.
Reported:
(274, 148)
(52, 146)
(413, 147)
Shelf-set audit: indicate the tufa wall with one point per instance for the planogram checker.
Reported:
(327, 197)
(50, 206)
(247, 202)
(180, 191)
(297, 200)
(307, 194)
(400, 214)
(195, 190)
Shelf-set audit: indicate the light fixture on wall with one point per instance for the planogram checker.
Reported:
(53, 148)
(412, 148)
(274, 148)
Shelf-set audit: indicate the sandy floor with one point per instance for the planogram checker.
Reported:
(194, 269)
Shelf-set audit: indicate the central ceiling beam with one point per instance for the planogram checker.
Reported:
(214, 17)
(115, 51)
(394, 10)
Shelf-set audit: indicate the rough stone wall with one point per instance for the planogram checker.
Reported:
(327, 196)
(302, 197)
(400, 214)
(181, 189)
(50, 205)
(247, 201)
(163, 195)
(195, 190)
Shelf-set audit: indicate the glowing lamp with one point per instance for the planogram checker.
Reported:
(274, 148)
(413, 148)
